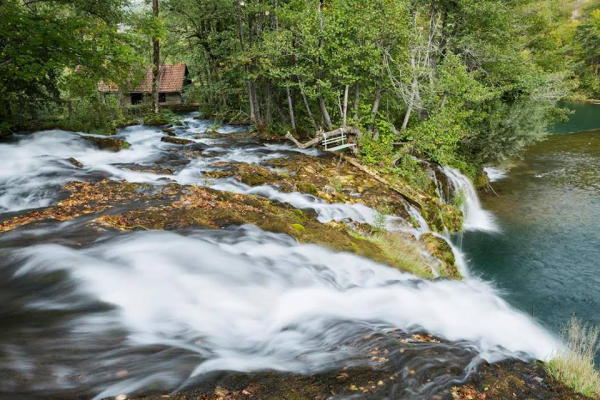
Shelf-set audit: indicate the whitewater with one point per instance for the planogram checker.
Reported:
(169, 307)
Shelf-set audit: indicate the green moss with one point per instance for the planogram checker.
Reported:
(299, 227)
(404, 255)
(175, 140)
(441, 250)
(306, 187)
(107, 143)
(481, 179)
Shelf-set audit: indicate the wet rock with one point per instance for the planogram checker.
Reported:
(107, 143)
(481, 179)
(175, 140)
(196, 147)
(513, 379)
(168, 130)
(441, 250)
(306, 187)
(74, 162)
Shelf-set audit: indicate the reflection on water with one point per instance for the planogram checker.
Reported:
(548, 257)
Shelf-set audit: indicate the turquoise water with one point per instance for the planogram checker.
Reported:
(547, 258)
(585, 117)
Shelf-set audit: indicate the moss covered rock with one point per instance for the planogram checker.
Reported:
(175, 140)
(441, 250)
(107, 143)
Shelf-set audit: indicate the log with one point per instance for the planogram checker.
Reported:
(414, 198)
(411, 196)
(317, 139)
(324, 135)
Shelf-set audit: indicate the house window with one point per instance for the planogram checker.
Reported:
(162, 97)
(136, 98)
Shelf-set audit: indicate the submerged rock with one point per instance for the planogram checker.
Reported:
(168, 130)
(175, 140)
(74, 162)
(107, 143)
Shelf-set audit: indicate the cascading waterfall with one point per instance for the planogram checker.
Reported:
(475, 217)
(165, 307)
(245, 300)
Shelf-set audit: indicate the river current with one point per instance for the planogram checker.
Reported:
(90, 314)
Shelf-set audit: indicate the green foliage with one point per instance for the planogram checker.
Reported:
(50, 50)
(459, 198)
(574, 364)
(165, 117)
(94, 115)
(587, 37)
(458, 82)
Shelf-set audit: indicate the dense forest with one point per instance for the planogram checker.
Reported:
(459, 82)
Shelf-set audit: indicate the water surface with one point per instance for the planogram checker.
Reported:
(547, 258)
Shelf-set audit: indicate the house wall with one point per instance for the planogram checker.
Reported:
(125, 98)
(172, 98)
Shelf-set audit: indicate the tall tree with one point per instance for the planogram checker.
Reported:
(156, 63)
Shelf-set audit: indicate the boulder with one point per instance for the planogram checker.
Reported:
(74, 162)
(175, 140)
(107, 143)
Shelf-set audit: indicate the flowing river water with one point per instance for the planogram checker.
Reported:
(96, 314)
(546, 260)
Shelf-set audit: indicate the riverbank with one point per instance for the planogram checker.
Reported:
(156, 241)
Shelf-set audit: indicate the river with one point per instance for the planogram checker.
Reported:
(546, 259)
(93, 313)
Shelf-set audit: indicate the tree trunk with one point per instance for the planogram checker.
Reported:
(344, 117)
(308, 144)
(267, 118)
(243, 48)
(156, 59)
(323, 135)
(291, 108)
(411, 102)
(356, 100)
(375, 108)
(322, 105)
(254, 94)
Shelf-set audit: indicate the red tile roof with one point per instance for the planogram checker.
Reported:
(171, 79)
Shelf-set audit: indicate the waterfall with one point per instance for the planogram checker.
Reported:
(475, 217)
(164, 307)
(246, 300)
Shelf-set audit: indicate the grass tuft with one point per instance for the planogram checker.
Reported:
(405, 255)
(574, 365)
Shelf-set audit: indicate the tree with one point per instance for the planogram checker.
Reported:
(49, 49)
(156, 62)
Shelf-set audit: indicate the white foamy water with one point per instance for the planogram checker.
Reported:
(326, 212)
(494, 174)
(475, 217)
(241, 299)
(248, 300)
(32, 170)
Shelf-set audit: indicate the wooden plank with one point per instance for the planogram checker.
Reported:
(341, 147)
(328, 141)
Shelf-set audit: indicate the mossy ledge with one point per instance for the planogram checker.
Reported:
(135, 206)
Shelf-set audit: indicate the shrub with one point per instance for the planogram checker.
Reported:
(574, 365)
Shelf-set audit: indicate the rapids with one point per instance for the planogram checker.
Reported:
(98, 314)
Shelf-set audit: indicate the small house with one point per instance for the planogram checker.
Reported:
(172, 80)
